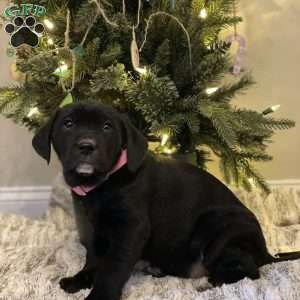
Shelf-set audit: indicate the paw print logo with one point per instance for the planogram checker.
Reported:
(24, 31)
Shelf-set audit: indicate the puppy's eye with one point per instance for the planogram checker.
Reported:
(68, 123)
(107, 126)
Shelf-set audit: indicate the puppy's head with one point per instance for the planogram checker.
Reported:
(88, 139)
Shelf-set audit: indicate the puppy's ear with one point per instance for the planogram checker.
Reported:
(41, 142)
(136, 145)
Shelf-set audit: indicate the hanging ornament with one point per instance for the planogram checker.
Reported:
(238, 61)
(67, 100)
(62, 71)
(79, 51)
(134, 50)
(135, 55)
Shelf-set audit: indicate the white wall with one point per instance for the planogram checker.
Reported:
(271, 28)
(273, 51)
(19, 164)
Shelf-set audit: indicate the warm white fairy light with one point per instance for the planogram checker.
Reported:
(212, 90)
(49, 24)
(275, 107)
(271, 109)
(251, 181)
(203, 13)
(167, 150)
(50, 41)
(33, 111)
(164, 139)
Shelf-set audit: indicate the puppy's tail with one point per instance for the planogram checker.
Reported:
(284, 257)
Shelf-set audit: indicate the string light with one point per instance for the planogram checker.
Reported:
(203, 13)
(49, 24)
(33, 111)
(164, 139)
(271, 109)
(275, 107)
(167, 150)
(50, 41)
(251, 181)
(212, 90)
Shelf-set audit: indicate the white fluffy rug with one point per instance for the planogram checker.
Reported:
(35, 254)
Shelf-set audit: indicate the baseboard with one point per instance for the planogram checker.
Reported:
(285, 182)
(33, 200)
(27, 200)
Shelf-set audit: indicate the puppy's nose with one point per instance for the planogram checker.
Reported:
(86, 146)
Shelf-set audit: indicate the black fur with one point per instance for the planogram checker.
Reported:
(166, 212)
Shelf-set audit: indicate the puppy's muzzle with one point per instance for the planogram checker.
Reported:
(85, 169)
(86, 148)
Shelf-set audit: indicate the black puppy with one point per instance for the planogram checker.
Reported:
(131, 205)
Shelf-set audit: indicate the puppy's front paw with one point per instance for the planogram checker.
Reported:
(82, 280)
(103, 293)
(71, 285)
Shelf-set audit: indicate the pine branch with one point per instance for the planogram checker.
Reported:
(162, 57)
(202, 157)
(226, 93)
(222, 120)
(85, 16)
(279, 124)
(258, 121)
(112, 78)
(253, 174)
(225, 169)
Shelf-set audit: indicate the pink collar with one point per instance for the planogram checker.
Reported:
(82, 190)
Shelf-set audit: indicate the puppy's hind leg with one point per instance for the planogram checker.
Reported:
(232, 265)
(148, 269)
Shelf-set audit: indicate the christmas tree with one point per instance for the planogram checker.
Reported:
(160, 61)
